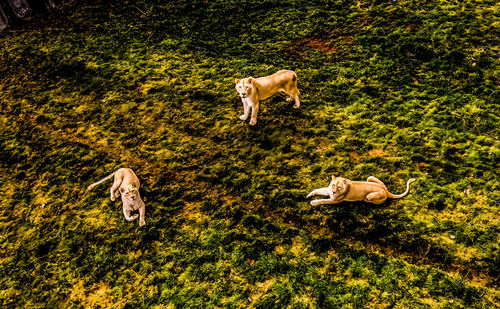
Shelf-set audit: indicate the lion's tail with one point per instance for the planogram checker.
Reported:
(389, 194)
(100, 181)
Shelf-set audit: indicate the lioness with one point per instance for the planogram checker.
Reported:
(254, 90)
(126, 184)
(341, 189)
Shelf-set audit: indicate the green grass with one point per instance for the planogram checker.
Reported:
(396, 90)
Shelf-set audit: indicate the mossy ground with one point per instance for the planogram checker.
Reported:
(393, 89)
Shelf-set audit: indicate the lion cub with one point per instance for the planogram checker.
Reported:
(341, 189)
(254, 90)
(126, 184)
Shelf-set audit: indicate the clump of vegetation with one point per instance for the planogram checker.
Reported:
(396, 90)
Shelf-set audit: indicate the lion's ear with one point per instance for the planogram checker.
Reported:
(237, 81)
(250, 80)
(122, 189)
(133, 185)
(333, 178)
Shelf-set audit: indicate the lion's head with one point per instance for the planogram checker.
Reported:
(130, 193)
(339, 185)
(245, 86)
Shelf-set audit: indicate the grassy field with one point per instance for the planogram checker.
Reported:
(393, 89)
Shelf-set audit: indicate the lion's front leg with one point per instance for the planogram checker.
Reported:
(246, 110)
(325, 201)
(126, 213)
(255, 110)
(142, 213)
(320, 191)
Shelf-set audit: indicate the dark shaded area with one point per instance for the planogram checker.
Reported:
(16, 12)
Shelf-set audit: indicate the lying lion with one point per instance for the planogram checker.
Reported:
(341, 189)
(254, 90)
(126, 184)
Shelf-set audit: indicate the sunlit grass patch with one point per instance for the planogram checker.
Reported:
(395, 90)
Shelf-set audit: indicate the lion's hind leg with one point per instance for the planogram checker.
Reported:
(297, 101)
(375, 179)
(292, 90)
(377, 197)
(113, 192)
(117, 181)
(294, 96)
(114, 189)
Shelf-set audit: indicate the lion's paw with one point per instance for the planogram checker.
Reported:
(243, 117)
(253, 122)
(314, 203)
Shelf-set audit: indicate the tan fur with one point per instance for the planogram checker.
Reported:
(342, 189)
(254, 90)
(127, 185)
